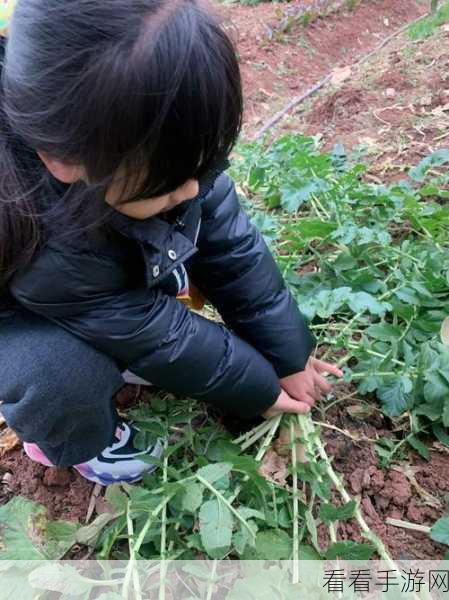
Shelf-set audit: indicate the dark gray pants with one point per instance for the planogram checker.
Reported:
(56, 390)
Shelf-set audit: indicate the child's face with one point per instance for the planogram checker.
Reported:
(149, 207)
(140, 209)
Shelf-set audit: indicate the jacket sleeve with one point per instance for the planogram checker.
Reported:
(146, 331)
(236, 271)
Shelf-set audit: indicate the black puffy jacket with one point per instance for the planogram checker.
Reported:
(119, 294)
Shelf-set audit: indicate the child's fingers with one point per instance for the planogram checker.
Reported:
(308, 399)
(289, 405)
(322, 384)
(324, 367)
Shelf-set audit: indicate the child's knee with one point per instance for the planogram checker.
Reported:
(46, 370)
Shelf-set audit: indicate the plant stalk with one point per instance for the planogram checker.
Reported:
(407, 525)
(310, 433)
(295, 506)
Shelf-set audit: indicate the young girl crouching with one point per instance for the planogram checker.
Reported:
(117, 217)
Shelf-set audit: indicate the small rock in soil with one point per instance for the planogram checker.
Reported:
(359, 480)
(7, 478)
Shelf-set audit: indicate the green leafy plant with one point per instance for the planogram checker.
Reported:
(375, 258)
(427, 27)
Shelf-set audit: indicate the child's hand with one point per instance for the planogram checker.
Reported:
(306, 387)
(285, 404)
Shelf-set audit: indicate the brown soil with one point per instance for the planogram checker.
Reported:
(395, 106)
(281, 58)
(63, 492)
(388, 492)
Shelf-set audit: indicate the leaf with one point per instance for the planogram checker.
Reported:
(441, 434)
(273, 544)
(440, 531)
(27, 534)
(350, 551)
(384, 332)
(216, 523)
(330, 513)
(8, 441)
(436, 388)
(361, 302)
(445, 415)
(88, 534)
(116, 498)
(408, 295)
(308, 553)
(64, 579)
(312, 528)
(328, 302)
(14, 584)
(192, 497)
(250, 513)
(437, 159)
(311, 229)
(274, 467)
(223, 450)
(430, 411)
(395, 395)
(293, 197)
(419, 446)
(215, 471)
(243, 537)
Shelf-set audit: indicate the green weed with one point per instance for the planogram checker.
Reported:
(428, 26)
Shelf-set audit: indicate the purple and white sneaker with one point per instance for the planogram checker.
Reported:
(117, 463)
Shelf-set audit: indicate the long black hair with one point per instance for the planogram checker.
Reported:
(149, 89)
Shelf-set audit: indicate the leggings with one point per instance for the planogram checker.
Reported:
(55, 389)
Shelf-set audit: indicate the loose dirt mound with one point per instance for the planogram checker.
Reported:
(341, 105)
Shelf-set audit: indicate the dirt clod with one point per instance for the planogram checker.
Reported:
(63, 492)
(56, 477)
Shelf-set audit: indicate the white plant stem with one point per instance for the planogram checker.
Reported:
(248, 434)
(407, 525)
(131, 568)
(258, 433)
(295, 506)
(312, 437)
(163, 550)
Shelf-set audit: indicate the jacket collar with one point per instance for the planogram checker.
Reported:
(156, 231)
(164, 245)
